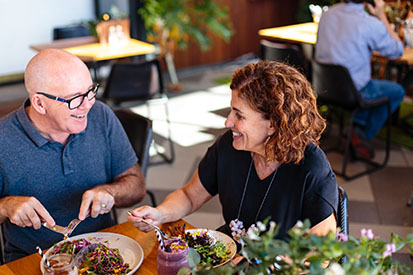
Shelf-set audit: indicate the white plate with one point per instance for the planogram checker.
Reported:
(129, 249)
(219, 236)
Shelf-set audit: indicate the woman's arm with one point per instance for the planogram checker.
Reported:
(325, 226)
(176, 205)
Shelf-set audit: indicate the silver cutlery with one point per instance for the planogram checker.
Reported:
(164, 235)
(66, 231)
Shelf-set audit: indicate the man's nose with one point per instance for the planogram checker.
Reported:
(87, 104)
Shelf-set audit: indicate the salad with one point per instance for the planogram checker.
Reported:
(210, 250)
(103, 260)
(70, 247)
(96, 258)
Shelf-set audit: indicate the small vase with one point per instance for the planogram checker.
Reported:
(169, 263)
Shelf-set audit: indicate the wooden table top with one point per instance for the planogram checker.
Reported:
(307, 33)
(30, 265)
(89, 49)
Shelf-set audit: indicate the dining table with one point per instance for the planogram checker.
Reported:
(89, 50)
(30, 265)
(306, 33)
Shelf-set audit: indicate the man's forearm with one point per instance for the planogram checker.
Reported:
(127, 188)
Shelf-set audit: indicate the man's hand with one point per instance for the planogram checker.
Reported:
(24, 211)
(96, 201)
(378, 9)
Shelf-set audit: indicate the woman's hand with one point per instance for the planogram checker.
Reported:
(152, 215)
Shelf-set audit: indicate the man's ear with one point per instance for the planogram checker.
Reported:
(38, 104)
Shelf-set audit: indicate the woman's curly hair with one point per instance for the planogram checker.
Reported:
(285, 97)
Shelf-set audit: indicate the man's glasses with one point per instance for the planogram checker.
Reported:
(76, 101)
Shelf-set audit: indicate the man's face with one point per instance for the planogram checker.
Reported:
(61, 119)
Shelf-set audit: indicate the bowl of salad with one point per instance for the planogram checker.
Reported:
(101, 253)
(214, 247)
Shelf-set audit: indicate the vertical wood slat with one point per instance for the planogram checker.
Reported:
(247, 16)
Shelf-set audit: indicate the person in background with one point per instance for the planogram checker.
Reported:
(64, 155)
(267, 164)
(347, 35)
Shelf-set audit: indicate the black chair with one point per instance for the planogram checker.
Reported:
(342, 211)
(335, 88)
(288, 53)
(73, 31)
(2, 261)
(139, 131)
(70, 32)
(141, 82)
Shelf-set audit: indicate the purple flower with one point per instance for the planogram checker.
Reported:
(342, 237)
(390, 249)
(368, 233)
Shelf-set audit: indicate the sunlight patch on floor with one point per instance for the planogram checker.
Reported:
(190, 115)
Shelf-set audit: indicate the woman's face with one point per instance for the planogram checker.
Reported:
(249, 128)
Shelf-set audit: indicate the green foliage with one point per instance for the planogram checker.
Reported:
(182, 20)
(305, 252)
(304, 14)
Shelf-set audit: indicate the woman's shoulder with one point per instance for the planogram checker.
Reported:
(315, 160)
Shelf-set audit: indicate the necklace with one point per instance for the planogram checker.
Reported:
(245, 189)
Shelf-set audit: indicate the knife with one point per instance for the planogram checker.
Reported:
(56, 228)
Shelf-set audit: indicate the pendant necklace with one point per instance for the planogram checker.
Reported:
(236, 225)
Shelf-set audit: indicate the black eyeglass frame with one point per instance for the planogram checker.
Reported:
(93, 88)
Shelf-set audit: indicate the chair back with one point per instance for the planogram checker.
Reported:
(139, 131)
(134, 81)
(70, 32)
(342, 211)
(287, 53)
(334, 85)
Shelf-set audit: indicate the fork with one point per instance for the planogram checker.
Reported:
(164, 235)
(66, 231)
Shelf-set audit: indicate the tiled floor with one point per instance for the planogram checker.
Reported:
(376, 201)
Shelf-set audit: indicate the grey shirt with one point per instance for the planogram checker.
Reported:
(58, 175)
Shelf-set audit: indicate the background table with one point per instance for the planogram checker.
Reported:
(91, 51)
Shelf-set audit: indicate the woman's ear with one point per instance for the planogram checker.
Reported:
(38, 104)
(271, 129)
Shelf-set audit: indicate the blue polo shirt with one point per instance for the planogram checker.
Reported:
(58, 175)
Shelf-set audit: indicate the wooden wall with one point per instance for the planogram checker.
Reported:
(247, 16)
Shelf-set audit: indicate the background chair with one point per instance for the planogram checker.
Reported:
(70, 32)
(342, 211)
(141, 82)
(1, 245)
(335, 88)
(342, 215)
(288, 53)
(139, 131)
(73, 31)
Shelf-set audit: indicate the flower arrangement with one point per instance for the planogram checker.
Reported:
(308, 253)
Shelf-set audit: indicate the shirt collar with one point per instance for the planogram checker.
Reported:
(28, 126)
(32, 132)
(354, 6)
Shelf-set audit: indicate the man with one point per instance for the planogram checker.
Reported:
(63, 155)
(347, 35)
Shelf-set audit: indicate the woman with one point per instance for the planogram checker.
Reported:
(267, 164)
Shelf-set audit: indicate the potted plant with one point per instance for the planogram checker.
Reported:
(307, 253)
(173, 23)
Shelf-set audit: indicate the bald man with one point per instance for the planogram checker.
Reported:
(63, 155)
